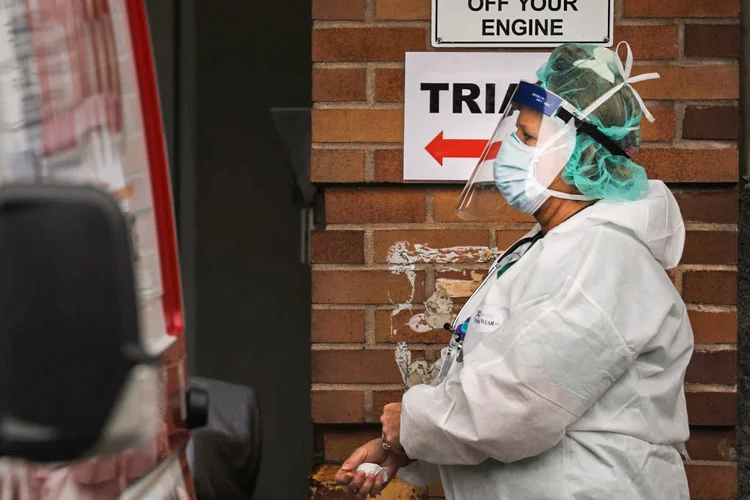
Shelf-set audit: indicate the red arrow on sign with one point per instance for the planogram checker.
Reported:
(440, 148)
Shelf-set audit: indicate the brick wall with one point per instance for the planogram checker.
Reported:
(363, 248)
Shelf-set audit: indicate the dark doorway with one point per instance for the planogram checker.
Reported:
(241, 220)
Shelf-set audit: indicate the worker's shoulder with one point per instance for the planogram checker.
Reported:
(594, 237)
(593, 246)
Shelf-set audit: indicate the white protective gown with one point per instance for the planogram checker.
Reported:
(571, 385)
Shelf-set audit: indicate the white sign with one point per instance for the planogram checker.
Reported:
(521, 23)
(453, 102)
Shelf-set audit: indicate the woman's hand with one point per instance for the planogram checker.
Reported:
(391, 421)
(364, 484)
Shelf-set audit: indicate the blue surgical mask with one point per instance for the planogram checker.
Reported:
(514, 171)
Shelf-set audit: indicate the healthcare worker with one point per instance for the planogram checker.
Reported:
(565, 375)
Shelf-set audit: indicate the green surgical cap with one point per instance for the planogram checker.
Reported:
(580, 74)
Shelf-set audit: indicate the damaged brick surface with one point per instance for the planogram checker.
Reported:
(407, 262)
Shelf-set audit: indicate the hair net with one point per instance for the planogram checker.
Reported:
(581, 74)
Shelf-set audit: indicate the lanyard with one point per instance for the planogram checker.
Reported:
(460, 330)
(455, 347)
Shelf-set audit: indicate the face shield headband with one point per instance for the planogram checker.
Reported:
(569, 114)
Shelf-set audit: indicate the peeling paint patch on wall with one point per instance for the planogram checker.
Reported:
(404, 256)
(459, 288)
(403, 252)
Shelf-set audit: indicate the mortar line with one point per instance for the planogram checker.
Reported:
(707, 145)
(346, 105)
(359, 347)
(696, 226)
(619, 12)
(370, 337)
(430, 206)
(429, 281)
(718, 62)
(358, 65)
(364, 146)
(692, 102)
(339, 65)
(368, 405)
(332, 386)
(679, 280)
(696, 388)
(679, 120)
(328, 24)
(492, 240)
(338, 307)
(369, 247)
(706, 267)
(711, 308)
(629, 21)
(370, 83)
(714, 347)
(369, 165)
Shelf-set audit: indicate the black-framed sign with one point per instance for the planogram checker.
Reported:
(521, 23)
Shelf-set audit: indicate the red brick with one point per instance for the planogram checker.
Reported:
(389, 85)
(356, 205)
(389, 165)
(508, 237)
(712, 367)
(338, 9)
(435, 239)
(710, 481)
(382, 398)
(710, 247)
(649, 42)
(712, 40)
(340, 443)
(710, 287)
(719, 206)
(338, 247)
(714, 327)
(366, 44)
(366, 287)
(712, 408)
(681, 8)
(337, 325)
(339, 85)
(689, 82)
(386, 324)
(713, 443)
(356, 367)
(711, 122)
(357, 125)
(445, 201)
(400, 10)
(337, 165)
(690, 165)
(338, 407)
(663, 129)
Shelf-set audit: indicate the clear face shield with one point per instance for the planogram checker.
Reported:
(531, 145)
